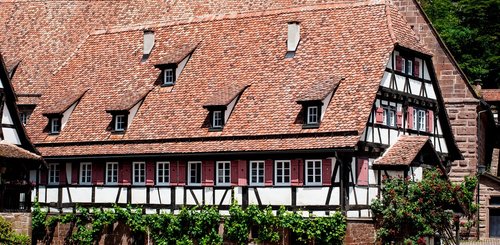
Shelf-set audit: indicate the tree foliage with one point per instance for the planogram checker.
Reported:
(8, 236)
(410, 210)
(471, 30)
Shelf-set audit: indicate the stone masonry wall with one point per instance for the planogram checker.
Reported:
(487, 189)
(360, 233)
(21, 222)
(459, 99)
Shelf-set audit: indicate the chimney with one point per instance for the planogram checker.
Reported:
(293, 38)
(149, 43)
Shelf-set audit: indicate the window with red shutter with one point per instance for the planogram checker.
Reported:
(399, 63)
(416, 68)
(379, 115)
(430, 121)
(362, 171)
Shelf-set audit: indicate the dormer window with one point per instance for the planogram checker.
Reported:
(120, 123)
(217, 119)
(168, 76)
(408, 66)
(312, 115)
(55, 125)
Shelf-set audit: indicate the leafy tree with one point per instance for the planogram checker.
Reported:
(471, 30)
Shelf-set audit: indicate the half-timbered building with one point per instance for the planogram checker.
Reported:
(295, 107)
(17, 155)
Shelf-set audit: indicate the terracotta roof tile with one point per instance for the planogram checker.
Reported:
(351, 41)
(174, 54)
(403, 152)
(225, 95)
(491, 94)
(10, 151)
(318, 90)
(128, 99)
(63, 101)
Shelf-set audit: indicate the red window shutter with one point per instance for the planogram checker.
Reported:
(125, 173)
(430, 121)
(410, 117)
(150, 173)
(301, 172)
(243, 173)
(44, 176)
(399, 63)
(208, 173)
(379, 115)
(399, 118)
(173, 173)
(75, 170)
(234, 172)
(98, 173)
(268, 172)
(416, 68)
(181, 173)
(362, 171)
(327, 172)
(62, 173)
(295, 172)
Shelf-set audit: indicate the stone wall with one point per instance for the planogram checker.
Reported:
(21, 222)
(488, 187)
(360, 232)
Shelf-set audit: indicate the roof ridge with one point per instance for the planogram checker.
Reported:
(234, 16)
(389, 23)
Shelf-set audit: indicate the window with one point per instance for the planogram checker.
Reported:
(54, 173)
(312, 114)
(139, 173)
(112, 173)
(120, 123)
(257, 172)
(313, 172)
(389, 116)
(419, 119)
(162, 173)
(55, 125)
(168, 76)
(282, 172)
(224, 173)
(194, 173)
(409, 67)
(217, 121)
(85, 173)
(24, 116)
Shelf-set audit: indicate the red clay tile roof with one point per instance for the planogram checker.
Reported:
(10, 151)
(403, 152)
(63, 101)
(350, 41)
(225, 95)
(128, 100)
(175, 54)
(318, 90)
(491, 94)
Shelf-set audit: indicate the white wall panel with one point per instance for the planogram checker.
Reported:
(274, 196)
(6, 116)
(10, 136)
(219, 194)
(312, 195)
(159, 195)
(430, 91)
(415, 86)
(198, 193)
(81, 194)
(335, 196)
(52, 195)
(139, 195)
(386, 80)
(400, 82)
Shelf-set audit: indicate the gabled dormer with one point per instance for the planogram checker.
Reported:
(172, 64)
(315, 99)
(124, 111)
(60, 111)
(221, 105)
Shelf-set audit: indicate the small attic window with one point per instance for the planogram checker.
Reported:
(168, 76)
(55, 124)
(120, 123)
(312, 115)
(217, 119)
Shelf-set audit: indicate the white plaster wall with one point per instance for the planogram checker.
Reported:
(394, 136)
(230, 108)
(10, 136)
(179, 195)
(312, 195)
(238, 194)
(372, 192)
(132, 113)
(444, 147)
(384, 133)
(227, 199)
(198, 193)
(368, 131)
(67, 114)
(400, 82)
(426, 72)
(209, 194)
(139, 195)
(271, 196)
(6, 116)
(159, 196)
(389, 63)
(52, 195)
(81, 194)
(352, 214)
(335, 197)
(326, 102)
(365, 213)
(430, 91)
(360, 195)
(109, 194)
(33, 177)
(417, 173)
(181, 66)
(415, 86)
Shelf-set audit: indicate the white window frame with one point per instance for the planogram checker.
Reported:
(113, 174)
(311, 165)
(197, 164)
(55, 125)
(283, 170)
(168, 76)
(409, 71)
(85, 173)
(419, 119)
(312, 115)
(389, 116)
(54, 174)
(259, 171)
(120, 122)
(223, 168)
(217, 120)
(162, 173)
(138, 178)
(24, 116)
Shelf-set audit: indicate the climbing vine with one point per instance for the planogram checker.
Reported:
(194, 224)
